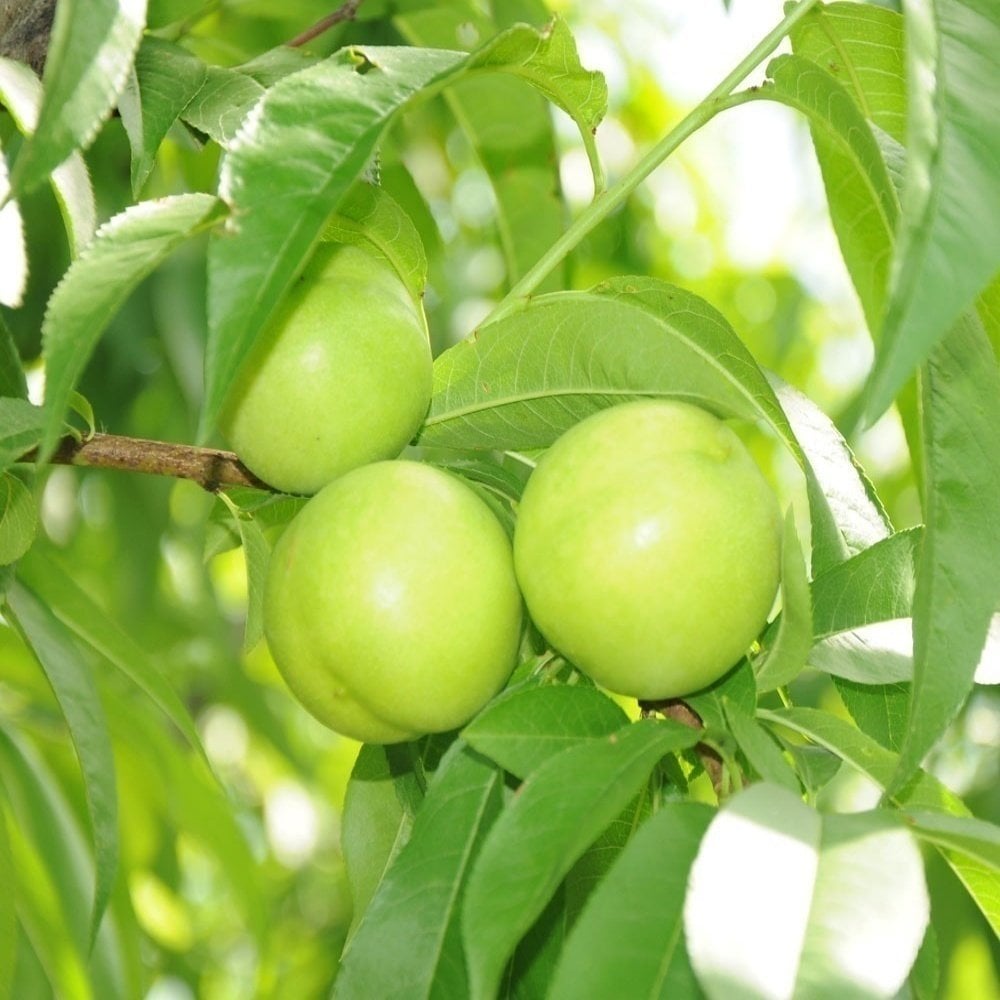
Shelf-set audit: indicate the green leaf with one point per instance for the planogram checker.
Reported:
(310, 136)
(256, 555)
(382, 798)
(760, 749)
(21, 426)
(923, 791)
(124, 251)
(785, 902)
(958, 586)
(14, 276)
(948, 246)
(862, 47)
(269, 510)
(162, 83)
(89, 56)
(784, 655)
(738, 686)
(53, 582)
(880, 710)
(523, 728)
(974, 837)
(559, 811)
(408, 938)
(628, 940)
(75, 690)
(12, 381)
(21, 93)
(861, 198)
(18, 519)
(222, 103)
(8, 914)
(522, 381)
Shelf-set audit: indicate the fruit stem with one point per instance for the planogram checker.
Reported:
(719, 99)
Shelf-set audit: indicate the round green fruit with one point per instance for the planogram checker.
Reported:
(647, 548)
(340, 378)
(391, 606)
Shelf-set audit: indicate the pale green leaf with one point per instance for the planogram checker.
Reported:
(8, 914)
(948, 246)
(784, 902)
(18, 518)
(629, 940)
(163, 81)
(759, 748)
(408, 938)
(21, 94)
(558, 813)
(222, 103)
(124, 251)
(75, 690)
(256, 555)
(89, 56)
(974, 837)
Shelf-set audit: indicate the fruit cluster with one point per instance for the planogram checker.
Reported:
(646, 545)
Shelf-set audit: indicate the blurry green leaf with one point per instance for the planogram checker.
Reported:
(222, 103)
(948, 246)
(89, 56)
(162, 82)
(21, 94)
(368, 215)
(8, 914)
(12, 382)
(522, 381)
(760, 749)
(76, 692)
(923, 791)
(862, 46)
(408, 938)
(924, 978)
(522, 729)
(974, 837)
(861, 198)
(958, 586)
(310, 136)
(784, 655)
(18, 518)
(628, 941)
(382, 798)
(988, 308)
(124, 251)
(83, 616)
(21, 426)
(13, 251)
(785, 902)
(559, 811)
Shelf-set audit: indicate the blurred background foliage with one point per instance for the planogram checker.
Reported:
(231, 882)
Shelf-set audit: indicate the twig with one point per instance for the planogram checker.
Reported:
(210, 468)
(345, 12)
(680, 711)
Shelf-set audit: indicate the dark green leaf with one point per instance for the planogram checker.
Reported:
(21, 94)
(523, 728)
(958, 586)
(629, 940)
(163, 81)
(785, 652)
(408, 939)
(948, 247)
(558, 812)
(123, 252)
(760, 749)
(21, 426)
(89, 56)
(12, 383)
(880, 710)
(76, 692)
(18, 518)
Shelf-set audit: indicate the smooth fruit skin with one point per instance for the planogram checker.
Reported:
(341, 376)
(391, 607)
(647, 548)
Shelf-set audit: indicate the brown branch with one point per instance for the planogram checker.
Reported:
(210, 468)
(345, 12)
(680, 711)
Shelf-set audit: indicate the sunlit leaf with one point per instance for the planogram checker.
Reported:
(784, 902)
(14, 252)
(974, 837)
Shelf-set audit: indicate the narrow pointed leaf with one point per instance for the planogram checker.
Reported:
(558, 813)
(89, 57)
(13, 251)
(629, 940)
(408, 941)
(948, 246)
(75, 690)
(760, 749)
(124, 251)
(523, 728)
(971, 836)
